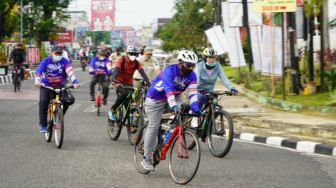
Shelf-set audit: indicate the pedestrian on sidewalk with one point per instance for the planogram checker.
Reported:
(207, 72)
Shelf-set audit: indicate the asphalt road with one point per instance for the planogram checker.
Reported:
(89, 158)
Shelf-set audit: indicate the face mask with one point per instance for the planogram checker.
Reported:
(146, 59)
(101, 58)
(132, 57)
(57, 58)
(210, 66)
(185, 70)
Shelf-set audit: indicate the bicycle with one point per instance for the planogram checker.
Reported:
(99, 96)
(220, 132)
(129, 112)
(180, 158)
(140, 93)
(55, 115)
(16, 78)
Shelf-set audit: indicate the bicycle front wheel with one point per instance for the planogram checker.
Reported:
(139, 150)
(183, 165)
(59, 127)
(114, 127)
(135, 122)
(220, 133)
(48, 134)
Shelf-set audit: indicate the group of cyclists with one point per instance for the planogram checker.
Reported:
(164, 91)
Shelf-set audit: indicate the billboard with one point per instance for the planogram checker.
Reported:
(102, 15)
(65, 36)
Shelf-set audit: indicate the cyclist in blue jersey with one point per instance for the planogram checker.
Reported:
(166, 89)
(52, 72)
(100, 65)
(207, 72)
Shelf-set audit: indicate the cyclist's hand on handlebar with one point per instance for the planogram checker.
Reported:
(9, 63)
(92, 73)
(116, 84)
(148, 85)
(199, 113)
(175, 110)
(38, 85)
(76, 86)
(234, 91)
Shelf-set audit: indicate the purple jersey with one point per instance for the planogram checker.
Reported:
(52, 74)
(170, 83)
(100, 66)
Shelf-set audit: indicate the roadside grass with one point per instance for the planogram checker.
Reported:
(262, 84)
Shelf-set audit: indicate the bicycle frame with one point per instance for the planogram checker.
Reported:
(177, 132)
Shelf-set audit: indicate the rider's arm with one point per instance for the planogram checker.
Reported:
(156, 65)
(92, 65)
(168, 85)
(224, 78)
(108, 67)
(69, 71)
(192, 92)
(117, 69)
(39, 71)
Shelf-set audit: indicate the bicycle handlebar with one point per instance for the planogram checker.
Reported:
(57, 89)
(228, 93)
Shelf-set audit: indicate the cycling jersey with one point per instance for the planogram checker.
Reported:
(125, 75)
(170, 83)
(98, 66)
(52, 74)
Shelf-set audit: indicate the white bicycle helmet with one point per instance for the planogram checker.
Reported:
(132, 49)
(187, 57)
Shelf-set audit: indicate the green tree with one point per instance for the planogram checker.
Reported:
(9, 18)
(42, 18)
(99, 36)
(186, 28)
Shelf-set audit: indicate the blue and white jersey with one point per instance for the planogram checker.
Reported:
(98, 66)
(170, 83)
(52, 74)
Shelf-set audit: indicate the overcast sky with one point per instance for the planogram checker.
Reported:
(134, 13)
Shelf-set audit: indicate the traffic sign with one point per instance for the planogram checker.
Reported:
(265, 6)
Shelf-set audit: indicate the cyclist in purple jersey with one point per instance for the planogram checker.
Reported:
(166, 89)
(52, 71)
(100, 65)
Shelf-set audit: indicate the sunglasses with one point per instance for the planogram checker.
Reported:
(188, 65)
(133, 54)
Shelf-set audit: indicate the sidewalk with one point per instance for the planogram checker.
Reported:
(253, 119)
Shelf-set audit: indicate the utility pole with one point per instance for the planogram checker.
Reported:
(246, 25)
(322, 46)
(21, 7)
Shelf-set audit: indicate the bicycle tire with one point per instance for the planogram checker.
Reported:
(181, 177)
(59, 127)
(217, 134)
(137, 123)
(138, 151)
(98, 99)
(114, 127)
(48, 135)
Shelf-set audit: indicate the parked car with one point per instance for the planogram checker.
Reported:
(161, 55)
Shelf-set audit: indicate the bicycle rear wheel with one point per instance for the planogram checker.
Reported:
(135, 122)
(220, 133)
(114, 127)
(138, 154)
(59, 127)
(48, 135)
(184, 168)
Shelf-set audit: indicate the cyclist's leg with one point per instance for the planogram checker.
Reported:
(105, 85)
(121, 95)
(92, 85)
(201, 99)
(154, 112)
(22, 72)
(43, 105)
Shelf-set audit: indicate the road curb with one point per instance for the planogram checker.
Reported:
(301, 146)
(7, 79)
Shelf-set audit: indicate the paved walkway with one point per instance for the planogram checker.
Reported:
(257, 119)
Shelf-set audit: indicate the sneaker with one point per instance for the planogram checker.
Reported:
(92, 98)
(147, 164)
(44, 129)
(112, 115)
(104, 101)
